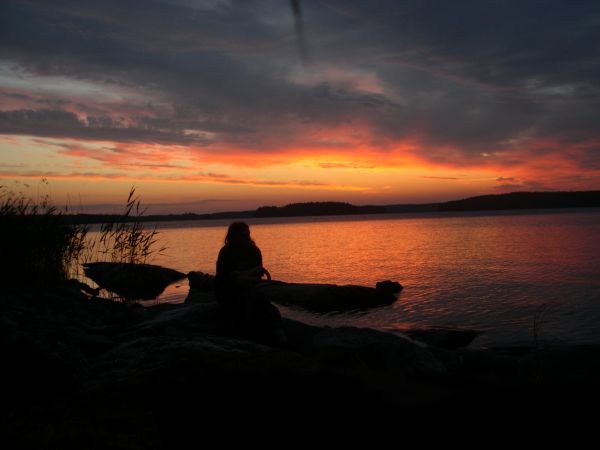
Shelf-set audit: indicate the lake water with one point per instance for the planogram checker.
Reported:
(488, 271)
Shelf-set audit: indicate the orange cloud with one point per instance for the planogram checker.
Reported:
(122, 156)
(198, 177)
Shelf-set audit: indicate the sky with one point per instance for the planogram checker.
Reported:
(225, 105)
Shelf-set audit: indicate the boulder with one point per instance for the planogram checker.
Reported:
(443, 337)
(375, 350)
(200, 281)
(314, 297)
(32, 371)
(93, 344)
(561, 364)
(132, 281)
(393, 287)
(196, 296)
(79, 370)
(300, 335)
(181, 320)
(323, 298)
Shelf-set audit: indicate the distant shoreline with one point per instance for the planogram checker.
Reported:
(485, 203)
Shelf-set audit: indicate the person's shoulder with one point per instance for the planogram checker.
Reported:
(225, 250)
(255, 255)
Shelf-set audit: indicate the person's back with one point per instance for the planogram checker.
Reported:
(239, 270)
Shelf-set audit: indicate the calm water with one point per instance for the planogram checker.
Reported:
(486, 271)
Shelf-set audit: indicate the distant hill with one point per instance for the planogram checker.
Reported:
(514, 200)
(317, 209)
(526, 200)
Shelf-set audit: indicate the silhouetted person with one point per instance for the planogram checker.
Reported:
(239, 270)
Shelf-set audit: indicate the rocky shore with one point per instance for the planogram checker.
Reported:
(85, 372)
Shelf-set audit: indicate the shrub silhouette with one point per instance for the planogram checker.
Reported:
(39, 246)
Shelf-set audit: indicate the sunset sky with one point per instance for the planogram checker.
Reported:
(222, 105)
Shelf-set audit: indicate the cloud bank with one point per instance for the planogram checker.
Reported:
(452, 84)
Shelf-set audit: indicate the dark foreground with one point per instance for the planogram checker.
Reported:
(81, 373)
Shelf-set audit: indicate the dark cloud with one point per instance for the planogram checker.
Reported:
(53, 102)
(471, 81)
(491, 42)
(64, 124)
(15, 95)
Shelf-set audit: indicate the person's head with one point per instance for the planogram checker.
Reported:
(238, 234)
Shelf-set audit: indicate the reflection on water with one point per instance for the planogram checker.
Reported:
(486, 271)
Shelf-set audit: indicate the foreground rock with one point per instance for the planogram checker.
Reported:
(201, 282)
(81, 373)
(132, 281)
(377, 350)
(443, 337)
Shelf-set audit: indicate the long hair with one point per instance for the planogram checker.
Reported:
(238, 234)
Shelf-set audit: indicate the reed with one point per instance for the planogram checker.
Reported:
(39, 246)
(125, 238)
(42, 246)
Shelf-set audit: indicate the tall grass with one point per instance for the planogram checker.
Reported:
(39, 246)
(125, 238)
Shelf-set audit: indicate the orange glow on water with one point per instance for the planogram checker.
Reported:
(484, 270)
